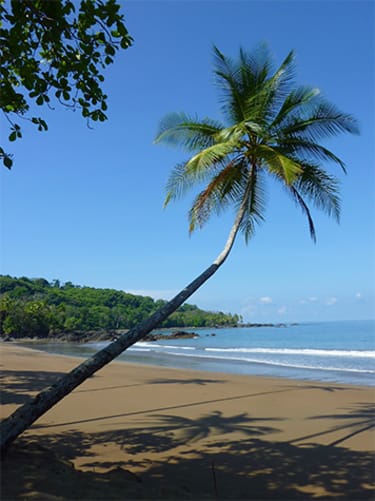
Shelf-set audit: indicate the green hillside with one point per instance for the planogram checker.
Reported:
(34, 307)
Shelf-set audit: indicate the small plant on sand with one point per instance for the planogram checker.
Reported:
(273, 128)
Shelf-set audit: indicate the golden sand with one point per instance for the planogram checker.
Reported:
(141, 432)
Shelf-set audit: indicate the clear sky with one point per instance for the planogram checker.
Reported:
(85, 205)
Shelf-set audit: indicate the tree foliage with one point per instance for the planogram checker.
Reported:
(37, 308)
(271, 128)
(54, 52)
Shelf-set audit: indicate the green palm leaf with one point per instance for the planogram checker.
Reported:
(269, 96)
(296, 101)
(226, 79)
(303, 148)
(212, 198)
(190, 133)
(305, 209)
(321, 189)
(325, 120)
(286, 168)
(178, 183)
(210, 156)
(255, 204)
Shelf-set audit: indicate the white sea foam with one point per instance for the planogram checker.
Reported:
(270, 351)
(163, 346)
(295, 351)
(289, 365)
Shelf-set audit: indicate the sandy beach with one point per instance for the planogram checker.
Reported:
(137, 432)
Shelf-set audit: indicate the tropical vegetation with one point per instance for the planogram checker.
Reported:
(273, 128)
(38, 308)
(53, 53)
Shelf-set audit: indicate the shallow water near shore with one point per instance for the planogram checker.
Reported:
(340, 352)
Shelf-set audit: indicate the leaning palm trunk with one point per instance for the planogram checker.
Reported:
(25, 416)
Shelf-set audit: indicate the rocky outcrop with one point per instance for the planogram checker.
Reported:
(173, 335)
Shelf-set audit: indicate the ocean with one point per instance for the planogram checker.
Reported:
(336, 352)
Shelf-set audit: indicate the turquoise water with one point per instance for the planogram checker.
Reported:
(342, 352)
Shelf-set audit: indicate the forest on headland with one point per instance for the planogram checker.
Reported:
(36, 308)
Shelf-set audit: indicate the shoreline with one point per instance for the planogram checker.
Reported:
(209, 365)
(80, 337)
(145, 432)
(156, 367)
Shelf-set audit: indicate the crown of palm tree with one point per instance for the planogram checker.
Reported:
(272, 126)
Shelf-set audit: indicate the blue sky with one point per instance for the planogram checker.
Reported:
(85, 205)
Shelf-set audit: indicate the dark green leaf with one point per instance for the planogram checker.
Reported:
(8, 162)
(110, 50)
(125, 43)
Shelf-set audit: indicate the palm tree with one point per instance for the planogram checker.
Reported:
(274, 128)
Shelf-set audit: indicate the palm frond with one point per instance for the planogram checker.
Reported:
(234, 184)
(209, 157)
(233, 133)
(178, 129)
(312, 151)
(264, 92)
(324, 120)
(255, 198)
(253, 69)
(226, 75)
(274, 90)
(321, 189)
(255, 65)
(285, 74)
(281, 165)
(305, 209)
(178, 183)
(297, 99)
(198, 169)
(246, 83)
(222, 189)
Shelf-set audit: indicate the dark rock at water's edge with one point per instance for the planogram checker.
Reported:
(173, 335)
(267, 325)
